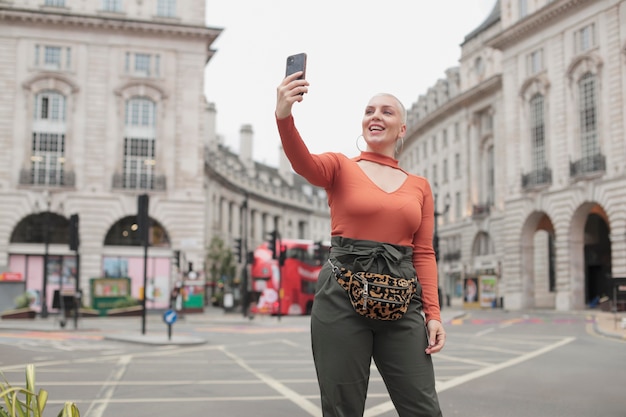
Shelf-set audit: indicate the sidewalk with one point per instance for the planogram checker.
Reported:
(129, 329)
(610, 324)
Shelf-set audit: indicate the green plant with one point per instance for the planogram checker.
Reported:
(220, 261)
(23, 300)
(33, 403)
(126, 302)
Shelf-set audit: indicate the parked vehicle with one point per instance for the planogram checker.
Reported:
(286, 287)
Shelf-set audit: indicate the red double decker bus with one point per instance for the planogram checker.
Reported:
(288, 289)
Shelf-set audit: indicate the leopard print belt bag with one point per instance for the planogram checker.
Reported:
(377, 296)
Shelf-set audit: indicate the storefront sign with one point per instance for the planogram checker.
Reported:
(11, 277)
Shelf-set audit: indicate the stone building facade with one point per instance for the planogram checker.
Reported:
(101, 103)
(525, 143)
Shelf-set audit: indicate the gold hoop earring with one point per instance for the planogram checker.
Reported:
(396, 150)
(357, 142)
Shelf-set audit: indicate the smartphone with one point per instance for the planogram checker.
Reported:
(296, 63)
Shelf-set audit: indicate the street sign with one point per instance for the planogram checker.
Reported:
(170, 317)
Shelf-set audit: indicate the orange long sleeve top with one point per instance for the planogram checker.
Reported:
(359, 209)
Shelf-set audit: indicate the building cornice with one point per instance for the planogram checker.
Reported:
(240, 182)
(464, 99)
(535, 22)
(107, 22)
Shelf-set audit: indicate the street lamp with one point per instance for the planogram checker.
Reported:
(46, 241)
(437, 214)
(436, 231)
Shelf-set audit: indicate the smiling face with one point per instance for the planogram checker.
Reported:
(383, 123)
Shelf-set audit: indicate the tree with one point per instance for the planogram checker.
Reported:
(220, 263)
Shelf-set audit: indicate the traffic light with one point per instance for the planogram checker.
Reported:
(143, 219)
(238, 249)
(176, 259)
(272, 244)
(317, 251)
(74, 241)
(282, 255)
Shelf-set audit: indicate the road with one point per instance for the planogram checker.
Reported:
(495, 363)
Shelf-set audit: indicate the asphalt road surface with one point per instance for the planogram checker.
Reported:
(495, 363)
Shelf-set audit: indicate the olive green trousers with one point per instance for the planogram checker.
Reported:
(344, 344)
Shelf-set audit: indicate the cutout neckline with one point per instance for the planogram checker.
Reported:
(385, 161)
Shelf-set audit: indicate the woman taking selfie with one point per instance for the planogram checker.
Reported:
(377, 296)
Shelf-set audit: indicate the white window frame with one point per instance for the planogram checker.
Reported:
(48, 138)
(535, 62)
(112, 5)
(585, 38)
(166, 8)
(538, 132)
(142, 64)
(588, 115)
(490, 174)
(52, 57)
(523, 8)
(139, 143)
(55, 3)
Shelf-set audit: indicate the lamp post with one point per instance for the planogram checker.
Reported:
(436, 229)
(46, 242)
(244, 248)
(437, 214)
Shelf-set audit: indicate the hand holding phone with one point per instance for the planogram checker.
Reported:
(296, 63)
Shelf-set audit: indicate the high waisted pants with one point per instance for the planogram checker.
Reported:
(344, 344)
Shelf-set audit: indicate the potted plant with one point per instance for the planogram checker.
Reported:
(127, 306)
(22, 308)
(26, 402)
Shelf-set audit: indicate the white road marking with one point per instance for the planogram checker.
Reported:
(442, 386)
(484, 332)
(288, 393)
(97, 409)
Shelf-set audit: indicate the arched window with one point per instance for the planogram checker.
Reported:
(139, 143)
(33, 229)
(48, 142)
(126, 233)
(483, 245)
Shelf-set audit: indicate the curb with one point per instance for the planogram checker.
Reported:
(606, 333)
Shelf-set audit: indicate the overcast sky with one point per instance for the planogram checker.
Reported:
(355, 49)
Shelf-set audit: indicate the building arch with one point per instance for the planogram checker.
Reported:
(48, 81)
(483, 245)
(125, 232)
(590, 254)
(583, 64)
(538, 261)
(538, 84)
(33, 227)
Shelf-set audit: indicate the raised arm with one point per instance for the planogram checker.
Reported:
(317, 169)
